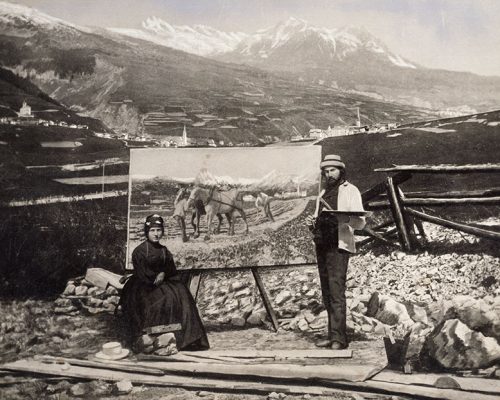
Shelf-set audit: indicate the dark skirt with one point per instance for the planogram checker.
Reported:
(146, 305)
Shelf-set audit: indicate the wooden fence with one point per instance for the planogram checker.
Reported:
(407, 221)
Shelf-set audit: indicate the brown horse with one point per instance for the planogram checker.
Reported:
(217, 203)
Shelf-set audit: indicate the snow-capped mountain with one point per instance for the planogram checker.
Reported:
(306, 45)
(16, 16)
(199, 39)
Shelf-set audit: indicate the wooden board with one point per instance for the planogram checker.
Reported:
(276, 354)
(484, 385)
(333, 389)
(154, 330)
(352, 373)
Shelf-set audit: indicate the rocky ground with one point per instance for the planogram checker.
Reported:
(446, 297)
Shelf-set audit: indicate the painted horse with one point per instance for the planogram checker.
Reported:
(217, 203)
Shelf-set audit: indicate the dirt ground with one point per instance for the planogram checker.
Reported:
(80, 336)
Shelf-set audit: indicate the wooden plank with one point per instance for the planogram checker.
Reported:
(106, 364)
(331, 388)
(455, 225)
(352, 373)
(471, 384)
(172, 380)
(382, 186)
(181, 357)
(412, 390)
(443, 168)
(154, 330)
(194, 283)
(281, 354)
(265, 298)
(397, 214)
(430, 201)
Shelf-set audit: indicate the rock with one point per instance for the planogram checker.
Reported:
(61, 386)
(143, 342)
(447, 382)
(79, 390)
(276, 396)
(65, 310)
(124, 387)
(111, 291)
(69, 290)
(92, 291)
(238, 321)
(245, 292)
(171, 349)
(235, 286)
(417, 313)
(62, 302)
(282, 297)
(114, 300)
(391, 312)
(81, 290)
(453, 345)
(257, 318)
(164, 340)
(203, 393)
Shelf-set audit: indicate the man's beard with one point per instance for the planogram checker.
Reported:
(332, 182)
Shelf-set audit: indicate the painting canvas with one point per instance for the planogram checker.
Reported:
(227, 206)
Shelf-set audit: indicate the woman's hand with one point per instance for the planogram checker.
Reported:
(159, 278)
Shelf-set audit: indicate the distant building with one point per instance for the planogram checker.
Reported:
(25, 111)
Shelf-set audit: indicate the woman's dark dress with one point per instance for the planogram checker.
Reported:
(146, 304)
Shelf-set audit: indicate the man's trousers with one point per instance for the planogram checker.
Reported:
(332, 266)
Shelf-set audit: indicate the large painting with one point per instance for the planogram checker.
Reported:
(227, 207)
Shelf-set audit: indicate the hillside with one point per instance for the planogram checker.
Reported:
(138, 87)
(472, 139)
(30, 146)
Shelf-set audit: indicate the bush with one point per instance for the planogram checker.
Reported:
(43, 246)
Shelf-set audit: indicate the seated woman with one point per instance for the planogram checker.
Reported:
(154, 295)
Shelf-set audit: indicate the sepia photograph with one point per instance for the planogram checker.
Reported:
(249, 200)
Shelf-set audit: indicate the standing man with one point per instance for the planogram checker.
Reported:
(263, 202)
(334, 240)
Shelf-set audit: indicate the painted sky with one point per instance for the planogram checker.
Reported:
(459, 35)
(248, 163)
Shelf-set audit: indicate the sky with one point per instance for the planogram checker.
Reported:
(461, 35)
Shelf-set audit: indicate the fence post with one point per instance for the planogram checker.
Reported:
(397, 213)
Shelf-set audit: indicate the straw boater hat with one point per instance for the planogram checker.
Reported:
(332, 160)
(112, 351)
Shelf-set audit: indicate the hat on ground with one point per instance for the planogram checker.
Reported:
(332, 160)
(112, 351)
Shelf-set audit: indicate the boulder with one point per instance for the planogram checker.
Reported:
(282, 297)
(257, 317)
(238, 321)
(391, 312)
(81, 290)
(69, 290)
(144, 342)
(79, 390)
(124, 387)
(171, 349)
(164, 340)
(453, 345)
(478, 315)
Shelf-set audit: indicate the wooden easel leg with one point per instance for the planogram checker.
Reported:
(421, 231)
(265, 298)
(194, 284)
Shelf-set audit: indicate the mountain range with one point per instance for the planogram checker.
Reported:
(347, 58)
(138, 87)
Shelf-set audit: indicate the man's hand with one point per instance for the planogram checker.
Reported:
(159, 278)
(311, 222)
